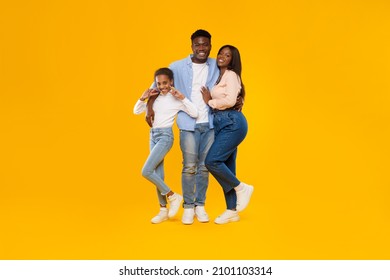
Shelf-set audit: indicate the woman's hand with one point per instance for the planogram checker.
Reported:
(206, 94)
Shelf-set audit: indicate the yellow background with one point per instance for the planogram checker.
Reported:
(317, 151)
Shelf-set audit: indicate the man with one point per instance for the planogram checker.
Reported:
(196, 135)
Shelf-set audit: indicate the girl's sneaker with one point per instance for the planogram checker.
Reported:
(161, 216)
(174, 201)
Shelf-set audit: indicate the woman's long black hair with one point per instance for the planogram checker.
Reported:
(235, 65)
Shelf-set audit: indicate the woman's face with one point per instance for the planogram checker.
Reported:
(163, 83)
(224, 57)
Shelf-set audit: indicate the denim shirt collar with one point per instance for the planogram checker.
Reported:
(189, 60)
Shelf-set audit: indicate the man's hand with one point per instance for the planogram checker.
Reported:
(150, 112)
(239, 104)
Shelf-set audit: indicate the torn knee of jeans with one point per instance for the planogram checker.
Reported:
(189, 169)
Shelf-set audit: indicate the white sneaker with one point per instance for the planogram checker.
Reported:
(161, 216)
(188, 216)
(201, 214)
(243, 196)
(227, 217)
(174, 201)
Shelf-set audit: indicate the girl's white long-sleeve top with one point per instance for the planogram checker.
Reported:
(166, 108)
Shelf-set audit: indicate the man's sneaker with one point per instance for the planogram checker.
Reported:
(161, 216)
(174, 201)
(243, 196)
(227, 217)
(201, 214)
(188, 216)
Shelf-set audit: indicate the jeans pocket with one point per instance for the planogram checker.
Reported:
(223, 122)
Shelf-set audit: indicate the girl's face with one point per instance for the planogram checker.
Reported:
(224, 57)
(163, 83)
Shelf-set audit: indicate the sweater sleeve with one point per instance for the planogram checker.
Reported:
(189, 108)
(226, 92)
(139, 107)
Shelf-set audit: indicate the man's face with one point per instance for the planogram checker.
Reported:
(201, 48)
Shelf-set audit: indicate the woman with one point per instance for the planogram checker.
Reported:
(230, 128)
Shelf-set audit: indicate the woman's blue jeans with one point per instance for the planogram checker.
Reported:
(230, 129)
(161, 141)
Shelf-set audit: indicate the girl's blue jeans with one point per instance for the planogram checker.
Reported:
(161, 141)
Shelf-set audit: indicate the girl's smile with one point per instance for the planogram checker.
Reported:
(163, 83)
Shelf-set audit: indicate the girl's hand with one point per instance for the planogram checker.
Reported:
(177, 93)
(153, 92)
(148, 93)
(206, 94)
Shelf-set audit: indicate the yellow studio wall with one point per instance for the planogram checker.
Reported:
(317, 152)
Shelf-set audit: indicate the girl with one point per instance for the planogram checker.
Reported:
(166, 106)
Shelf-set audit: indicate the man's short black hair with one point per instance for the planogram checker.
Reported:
(200, 33)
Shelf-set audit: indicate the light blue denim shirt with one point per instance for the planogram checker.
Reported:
(182, 74)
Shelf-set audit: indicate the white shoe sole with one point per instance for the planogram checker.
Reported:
(233, 219)
(202, 220)
(158, 222)
(187, 222)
